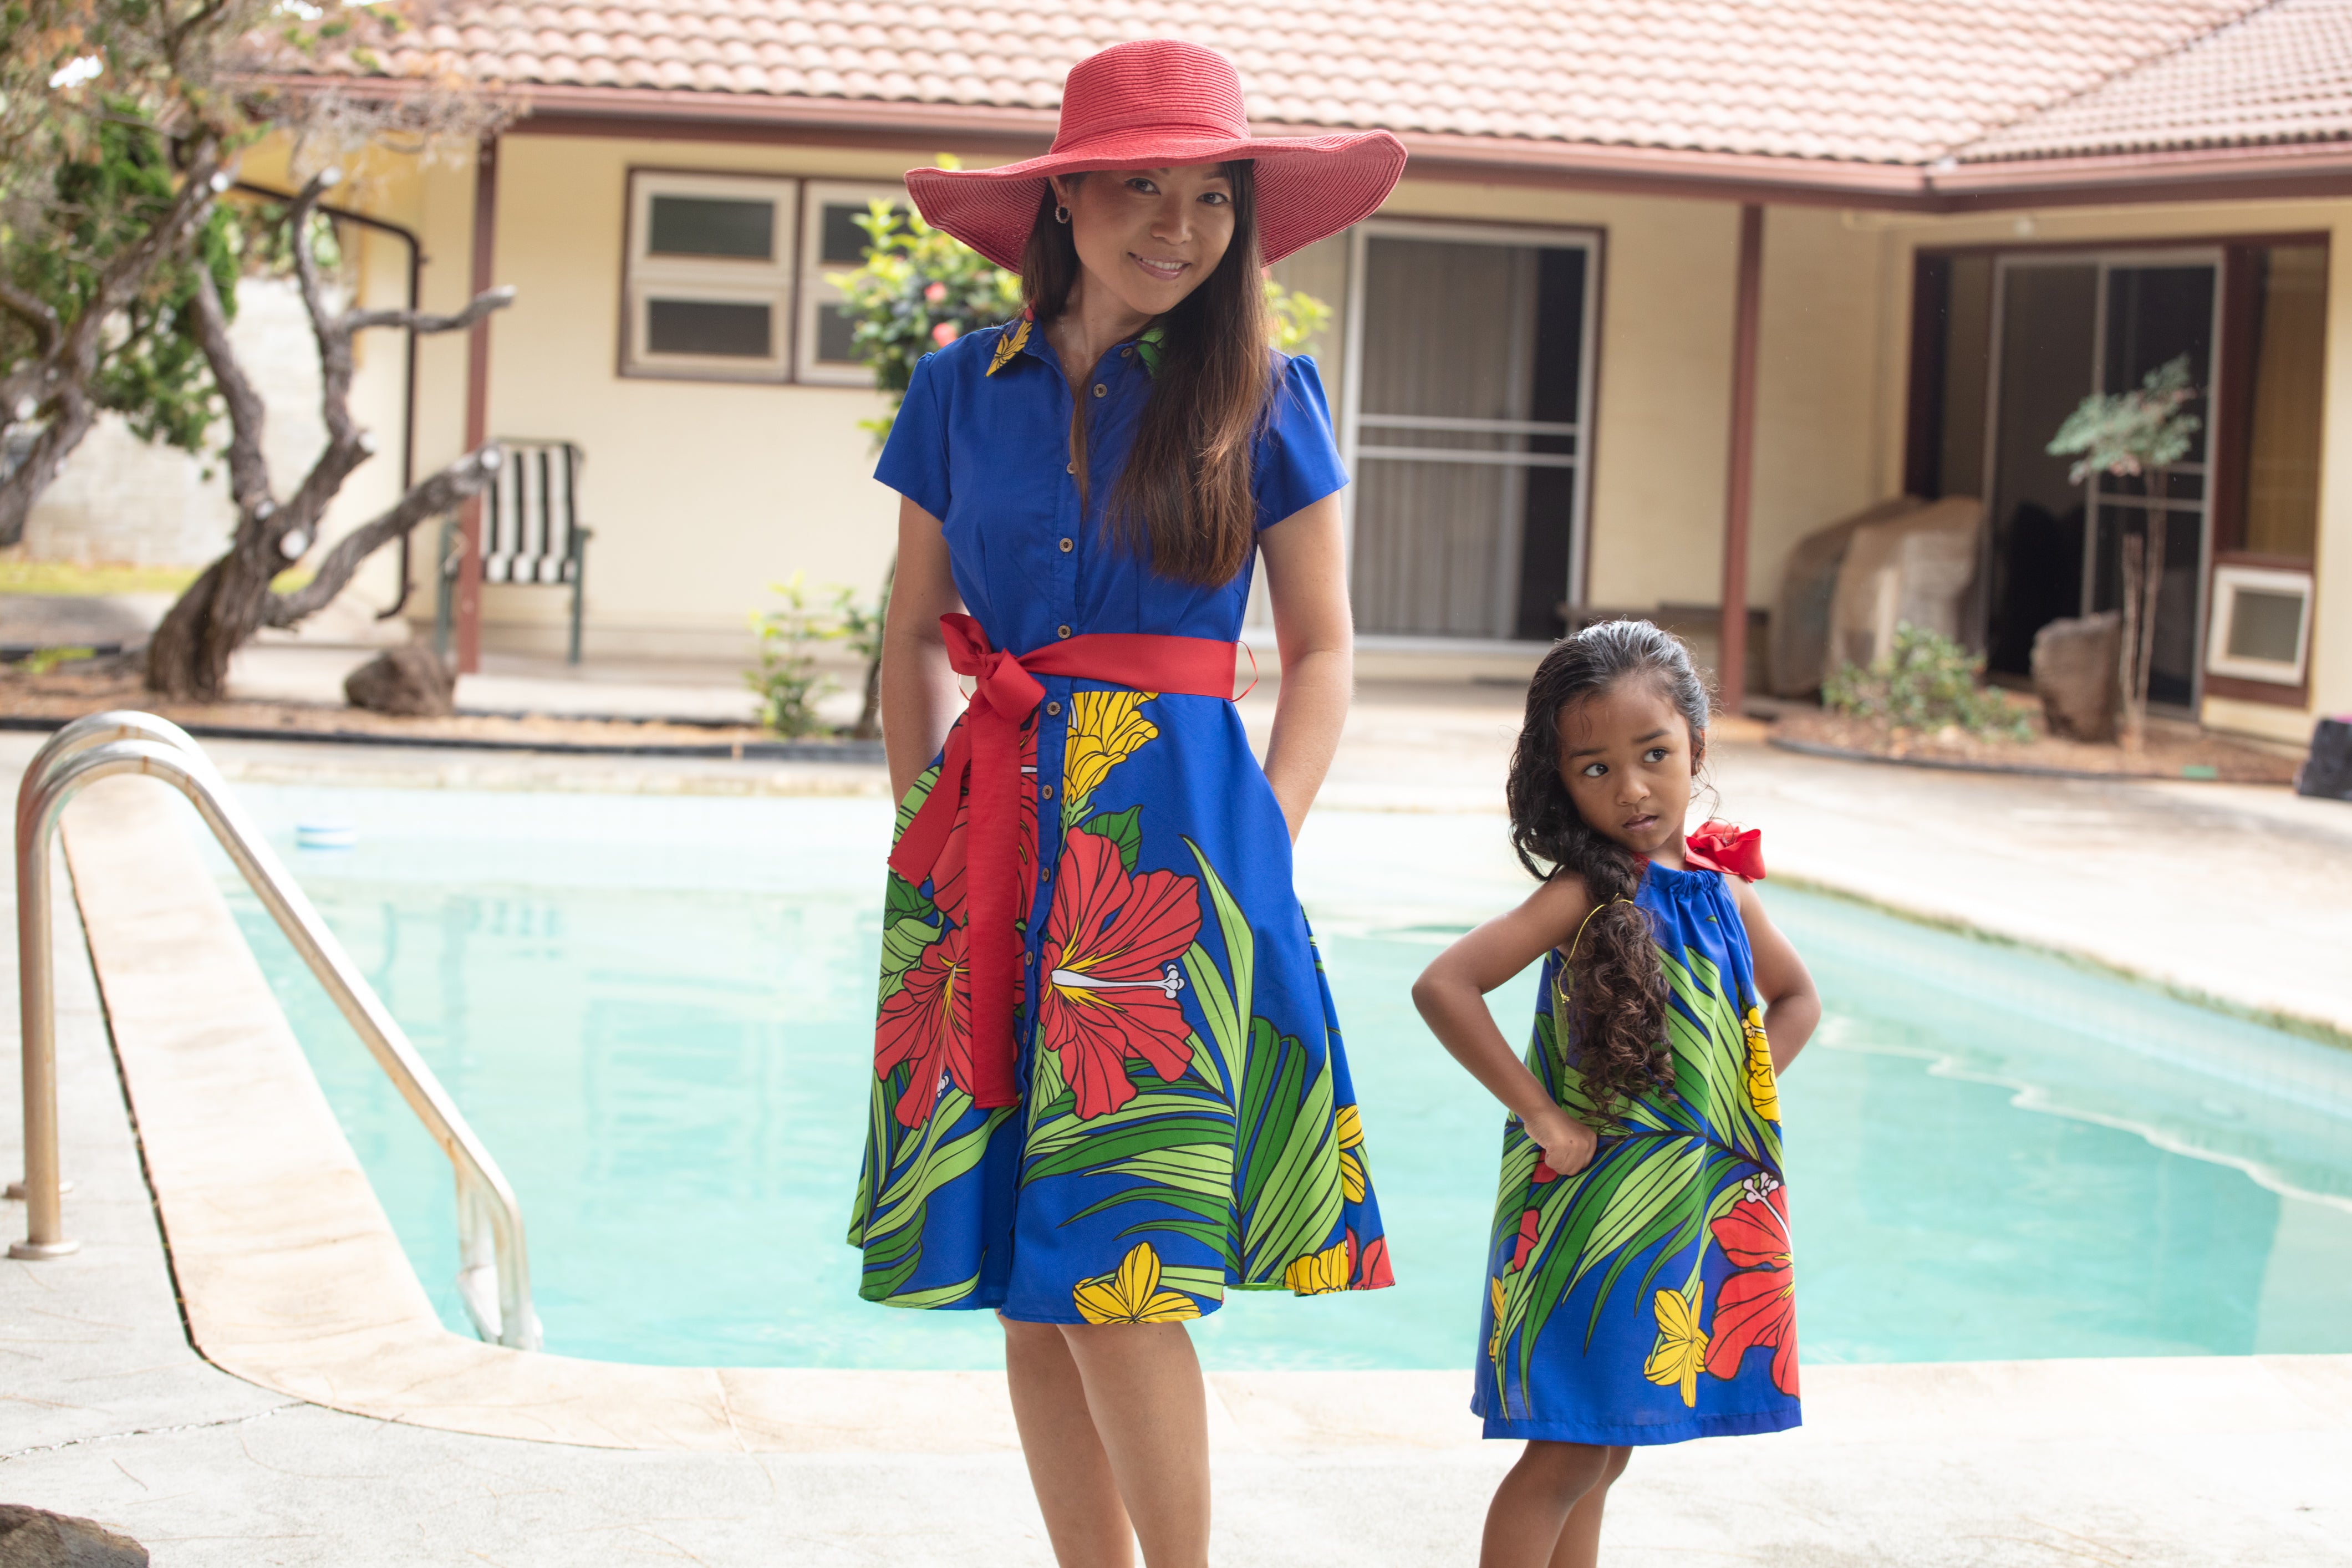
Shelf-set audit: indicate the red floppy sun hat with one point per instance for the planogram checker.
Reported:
(1155, 103)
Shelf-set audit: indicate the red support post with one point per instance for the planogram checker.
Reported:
(477, 407)
(1731, 672)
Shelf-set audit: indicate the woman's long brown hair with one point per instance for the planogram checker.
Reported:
(1184, 501)
(1617, 991)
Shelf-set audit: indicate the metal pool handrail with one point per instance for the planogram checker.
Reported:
(494, 1269)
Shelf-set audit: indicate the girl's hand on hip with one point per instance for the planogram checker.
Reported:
(1567, 1143)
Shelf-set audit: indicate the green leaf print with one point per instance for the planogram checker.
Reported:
(1288, 1186)
(920, 1161)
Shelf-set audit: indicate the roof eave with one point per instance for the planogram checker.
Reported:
(2216, 173)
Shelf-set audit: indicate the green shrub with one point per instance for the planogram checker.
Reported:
(786, 678)
(1926, 683)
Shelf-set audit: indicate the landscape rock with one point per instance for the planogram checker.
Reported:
(1915, 570)
(31, 1538)
(409, 681)
(1801, 616)
(2076, 676)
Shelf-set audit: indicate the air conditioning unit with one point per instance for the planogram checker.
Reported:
(2262, 624)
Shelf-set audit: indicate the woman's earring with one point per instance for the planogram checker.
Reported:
(1061, 215)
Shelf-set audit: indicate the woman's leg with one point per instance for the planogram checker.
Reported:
(1076, 1490)
(1152, 1416)
(1531, 1508)
(1580, 1539)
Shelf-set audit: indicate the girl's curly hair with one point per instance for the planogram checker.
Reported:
(1617, 1004)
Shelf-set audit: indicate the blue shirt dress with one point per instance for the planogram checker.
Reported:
(1650, 1297)
(1186, 1124)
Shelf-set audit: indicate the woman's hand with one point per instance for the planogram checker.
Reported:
(1567, 1143)
(1306, 579)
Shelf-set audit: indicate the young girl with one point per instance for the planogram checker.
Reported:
(1639, 1288)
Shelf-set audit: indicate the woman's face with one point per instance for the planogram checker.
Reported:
(1150, 235)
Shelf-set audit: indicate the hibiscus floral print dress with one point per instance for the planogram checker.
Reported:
(1182, 1123)
(1649, 1299)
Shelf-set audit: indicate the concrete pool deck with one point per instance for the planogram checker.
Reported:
(107, 1410)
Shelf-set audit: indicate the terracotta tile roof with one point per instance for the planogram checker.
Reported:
(2282, 73)
(1901, 82)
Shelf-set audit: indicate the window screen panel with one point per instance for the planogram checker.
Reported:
(721, 226)
(715, 327)
(2266, 625)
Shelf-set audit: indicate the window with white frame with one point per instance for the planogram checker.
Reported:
(2260, 628)
(711, 271)
(833, 243)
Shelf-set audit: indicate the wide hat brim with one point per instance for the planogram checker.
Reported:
(1309, 187)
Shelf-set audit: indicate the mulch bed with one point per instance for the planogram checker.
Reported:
(2174, 750)
(49, 700)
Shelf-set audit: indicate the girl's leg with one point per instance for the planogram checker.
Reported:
(1151, 1417)
(1076, 1491)
(1531, 1508)
(1580, 1539)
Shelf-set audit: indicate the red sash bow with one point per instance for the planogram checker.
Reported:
(983, 760)
(1720, 847)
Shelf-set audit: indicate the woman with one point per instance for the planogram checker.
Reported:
(1109, 1082)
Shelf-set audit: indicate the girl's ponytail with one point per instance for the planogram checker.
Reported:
(1617, 1002)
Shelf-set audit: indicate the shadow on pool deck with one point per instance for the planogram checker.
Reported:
(108, 1412)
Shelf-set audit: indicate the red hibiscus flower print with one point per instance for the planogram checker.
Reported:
(928, 1022)
(1528, 1222)
(1759, 1305)
(1368, 1266)
(1113, 944)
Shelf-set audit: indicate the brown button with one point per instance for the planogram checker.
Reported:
(1053, 710)
(1125, 352)
(1070, 467)
(1044, 792)
(1061, 631)
(1101, 389)
(1066, 547)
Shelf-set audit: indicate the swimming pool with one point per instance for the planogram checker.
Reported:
(658, 1012)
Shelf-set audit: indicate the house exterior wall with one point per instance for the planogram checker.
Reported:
(2330, 663)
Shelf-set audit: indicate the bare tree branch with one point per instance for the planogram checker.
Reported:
(248, 471)
(33, 310)
(439, 494)
(423, 321)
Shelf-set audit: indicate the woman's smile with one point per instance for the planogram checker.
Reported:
(1162, 270)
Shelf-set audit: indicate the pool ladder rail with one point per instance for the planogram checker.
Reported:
(494, 1271)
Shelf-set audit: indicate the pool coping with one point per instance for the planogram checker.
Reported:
(290, 1274)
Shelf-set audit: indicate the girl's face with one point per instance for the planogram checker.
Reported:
(1627, 757)
(1150, 235)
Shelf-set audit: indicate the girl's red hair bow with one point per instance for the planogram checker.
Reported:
(1720, 847)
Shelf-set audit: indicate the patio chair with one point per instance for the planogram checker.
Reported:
(531, 531)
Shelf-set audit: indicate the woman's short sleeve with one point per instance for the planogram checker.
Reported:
(915, 459)
(1296, 462)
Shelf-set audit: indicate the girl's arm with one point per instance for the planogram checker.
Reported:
(1791, 1007)
(1307, 578)
(1452, 996)
(919, 696)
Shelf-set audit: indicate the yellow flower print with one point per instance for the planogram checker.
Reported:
(1130, 1293)
(1763, 1088)
(1351, 1154)
(1495, 1339)
(1105, 731)
(1681, 1348)
(1318, 1273)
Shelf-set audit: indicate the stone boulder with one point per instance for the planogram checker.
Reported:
(409, 681)
(1801, 616)
(2077, 676)
(1916, 569)
(31, 1538)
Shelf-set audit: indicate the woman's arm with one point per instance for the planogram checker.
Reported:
(1307, 578)
(1791, 1007)
(1452, 996)
(920, 696)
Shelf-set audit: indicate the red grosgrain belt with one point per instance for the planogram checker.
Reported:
(983, 756)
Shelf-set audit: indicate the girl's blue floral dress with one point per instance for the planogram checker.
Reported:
(1185, 1123)
(1650, 1297)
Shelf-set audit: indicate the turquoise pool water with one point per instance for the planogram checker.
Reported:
(656, 1011)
